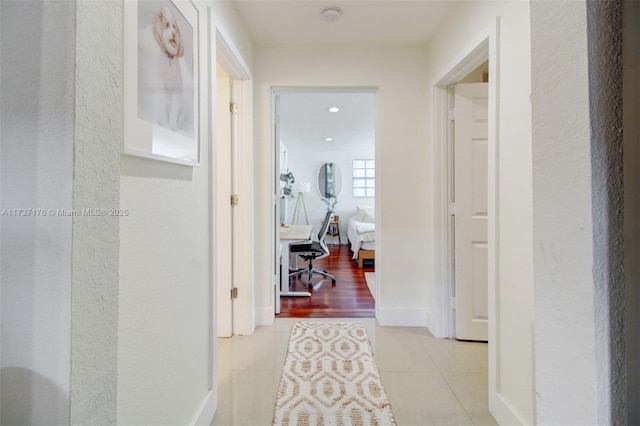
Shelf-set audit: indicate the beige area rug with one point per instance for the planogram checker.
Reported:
(330, 378)
(370, 278)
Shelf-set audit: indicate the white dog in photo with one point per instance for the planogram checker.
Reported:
(164, 80)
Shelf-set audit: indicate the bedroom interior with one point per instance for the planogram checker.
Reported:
(326, 141)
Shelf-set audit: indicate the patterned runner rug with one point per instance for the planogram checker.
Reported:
(330, 378)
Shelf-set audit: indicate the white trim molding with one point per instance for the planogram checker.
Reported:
(472, 56)
(207, 410)
(485, 45)
(227, 56)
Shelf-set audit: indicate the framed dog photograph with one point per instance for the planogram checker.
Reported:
(161, 80)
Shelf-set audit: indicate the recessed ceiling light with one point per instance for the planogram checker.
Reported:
(328, 139)
(331, 14)
(334, 109)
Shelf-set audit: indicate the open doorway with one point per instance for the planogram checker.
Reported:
(325, 162)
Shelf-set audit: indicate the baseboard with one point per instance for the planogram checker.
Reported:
(370, 278)
(265, 316)
(208, 409)
(502, 411)
(402, 317)
(436, 327)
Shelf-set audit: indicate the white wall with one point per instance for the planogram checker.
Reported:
(116, 312)
(165, 285)
(604, 29)
(305, 162)
(165, 312)
(401, 155)
(578, 201)
(165, 292)
(565, 339)
(631, 109)
(511, 398)
(36, 152)
(96, 240)
(565, 360)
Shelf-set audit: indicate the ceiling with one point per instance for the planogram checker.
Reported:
(305, 118)
(362, 21)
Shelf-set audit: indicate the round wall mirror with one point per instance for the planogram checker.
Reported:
(329, 180)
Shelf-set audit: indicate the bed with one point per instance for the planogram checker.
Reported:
(361, 231)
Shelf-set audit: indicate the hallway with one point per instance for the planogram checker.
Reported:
(110, 318)
(428, 381)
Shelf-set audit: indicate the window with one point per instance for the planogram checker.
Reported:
(364, 178)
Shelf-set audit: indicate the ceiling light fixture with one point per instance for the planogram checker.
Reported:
(334, 109)
(331, 14)
(328, 139)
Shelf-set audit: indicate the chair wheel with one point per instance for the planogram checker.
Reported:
(333, 281)
(310, 286)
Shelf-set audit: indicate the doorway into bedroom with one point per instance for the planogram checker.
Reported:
(325, 181)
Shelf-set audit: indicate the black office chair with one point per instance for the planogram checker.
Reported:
(313, 250)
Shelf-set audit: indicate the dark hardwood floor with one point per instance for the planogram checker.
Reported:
(348, 298)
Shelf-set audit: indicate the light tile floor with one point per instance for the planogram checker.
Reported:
(428, 381)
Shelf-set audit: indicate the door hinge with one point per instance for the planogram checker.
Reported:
(234, 292)
(233, 107)
(452, 209)
(235, 200)
(452, 303)
(451, 114)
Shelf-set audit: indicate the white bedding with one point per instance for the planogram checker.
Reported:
(364, 227)
(361, 235)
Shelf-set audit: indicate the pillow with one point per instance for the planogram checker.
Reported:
(368, 214)
(359, 217)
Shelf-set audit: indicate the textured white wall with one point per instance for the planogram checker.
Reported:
(511, 362)
(96, 240)
(604, 29)
(36, 152)
(401, 155)
(631, 109)
(566, 390)
(122, 325)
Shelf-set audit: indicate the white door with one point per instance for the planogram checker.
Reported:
(471, 200)
(225, 219)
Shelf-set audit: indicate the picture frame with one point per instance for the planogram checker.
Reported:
(161, 81)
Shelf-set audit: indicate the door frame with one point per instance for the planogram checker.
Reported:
(482, 48)
(225, 54)
(275, 173)
(217, 39)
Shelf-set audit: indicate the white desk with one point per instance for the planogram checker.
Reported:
(288, 235)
